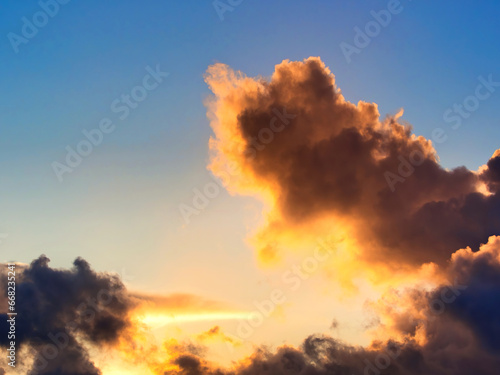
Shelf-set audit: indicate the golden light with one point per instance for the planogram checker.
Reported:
(160, 320)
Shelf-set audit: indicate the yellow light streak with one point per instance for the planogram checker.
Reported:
(160, 320)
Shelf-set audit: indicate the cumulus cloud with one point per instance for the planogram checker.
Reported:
(491, 174)
(66, 315)
(452, 328)
(317, 161)
(60, 312)
(315, 158)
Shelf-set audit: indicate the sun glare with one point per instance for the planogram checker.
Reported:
(160, 320)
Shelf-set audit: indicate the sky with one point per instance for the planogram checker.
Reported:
(131, 205)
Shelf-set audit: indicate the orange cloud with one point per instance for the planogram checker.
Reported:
(323, 165)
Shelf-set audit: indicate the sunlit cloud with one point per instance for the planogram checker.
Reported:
(347, 194)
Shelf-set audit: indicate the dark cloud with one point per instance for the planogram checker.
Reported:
(61, 311)
(331, 158)
(319, 355)
(451, 330)
(478, 306)
(191, 365)
(491, 175)
(319, 156)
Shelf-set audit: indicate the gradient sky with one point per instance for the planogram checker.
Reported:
(120, 208)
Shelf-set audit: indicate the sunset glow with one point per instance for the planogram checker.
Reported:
(231, 187)
(157, 321)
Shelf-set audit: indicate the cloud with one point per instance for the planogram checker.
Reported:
(451, 328)
(59, 312)
(478, 305)
(459, 336)
(66, 315)
(318, 161)
(215, 333)
(491, 174)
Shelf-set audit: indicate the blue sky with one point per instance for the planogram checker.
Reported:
(119, 208)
